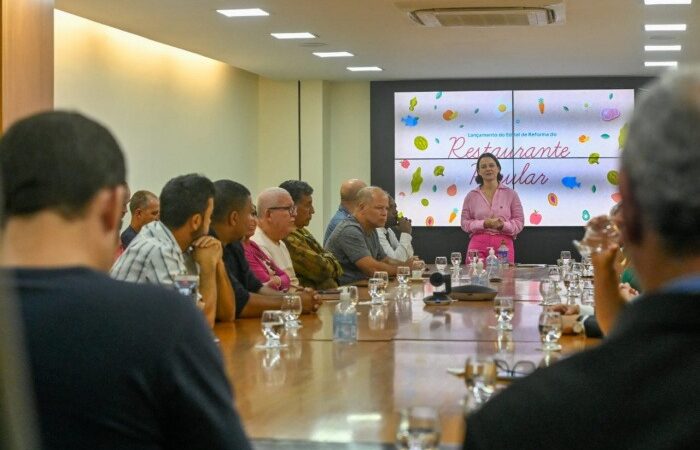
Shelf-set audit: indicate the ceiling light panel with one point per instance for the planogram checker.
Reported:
(365, 69)
(660, 63)
(662, 48)
(302, 35)
(333, 54)
(665, 27)
(249, 12)
(668, 2)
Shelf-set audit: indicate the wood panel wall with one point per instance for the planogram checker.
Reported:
(26, 72)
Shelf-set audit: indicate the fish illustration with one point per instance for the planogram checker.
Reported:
(410, 121)
(412, 104)
(570, 182)
(416, 181)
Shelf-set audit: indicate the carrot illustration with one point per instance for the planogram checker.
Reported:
(540, 104)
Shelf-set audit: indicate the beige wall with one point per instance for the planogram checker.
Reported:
(176, 112)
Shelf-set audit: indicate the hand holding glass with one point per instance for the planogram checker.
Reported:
(601, 233)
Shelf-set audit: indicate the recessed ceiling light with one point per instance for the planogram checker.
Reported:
(668, 2)
(662, 48)
(666, 27)
(365, 69)
(304, 35)
(249, 12)
(333, 54)
(660, 63)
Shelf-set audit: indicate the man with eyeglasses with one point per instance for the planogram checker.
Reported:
(276, 213)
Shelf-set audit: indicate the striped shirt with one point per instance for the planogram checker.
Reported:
(154, 256)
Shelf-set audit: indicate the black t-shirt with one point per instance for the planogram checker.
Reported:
(121, 365)
(242, 278)
(127, 236)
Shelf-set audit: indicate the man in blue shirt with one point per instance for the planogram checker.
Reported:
(348, 200)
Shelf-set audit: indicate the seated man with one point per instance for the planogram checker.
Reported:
(113, 365)
(145, 208)
(399, 249)
(160, 251)
(355, 243)
(348, 201)
(262, 266)
(276, 213)
(315, 267)
(639, 388)
(233, 214)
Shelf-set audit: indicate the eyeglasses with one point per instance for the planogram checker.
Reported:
(290, 209)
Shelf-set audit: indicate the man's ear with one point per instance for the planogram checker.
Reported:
(195, 222)
(233, 218)
(108, 203)
(632, 218)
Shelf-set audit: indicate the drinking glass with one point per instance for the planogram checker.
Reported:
(565, 256)
(291, 307)
(587, 297)
(354, 295)
(504, 311)
(480, 377)
(601, 233)
(456, 259)
(403, 273)
(187, 285)
(384, 276)
(549, 326)
(473, 256)
(377, 317)
(554, 273)
(417, 269)
(419, 428)
(548, 291)
(441, 263)
(376, 290)
(272, 323)
(577, 268)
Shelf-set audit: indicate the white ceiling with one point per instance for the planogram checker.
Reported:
(600, 37)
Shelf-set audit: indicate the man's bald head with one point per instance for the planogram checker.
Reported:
(372, 205)
(271, 198)
(276, 212)
(349, 190)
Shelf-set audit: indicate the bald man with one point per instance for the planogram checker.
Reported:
(348, 201)
(276, 213)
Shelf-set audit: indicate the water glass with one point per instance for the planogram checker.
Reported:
(601, 233)
(587, 297)
(480, 378)
(354, 294)
(504, 311)
(272, 323)
(403, 273)
(565, 256)
(291, 307)
(473, 256)
(377, 317)
(187, 285)
(375, 286)
(554, 273)
(548, 291)
(419, 428)
(549, 325)
(417, 269)
(456, 259)
(441, 263)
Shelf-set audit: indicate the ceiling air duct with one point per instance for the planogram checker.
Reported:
(502, 16)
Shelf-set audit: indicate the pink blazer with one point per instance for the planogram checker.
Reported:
(505, 205)
(262, 266)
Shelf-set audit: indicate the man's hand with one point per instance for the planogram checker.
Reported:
(609, 301)
(310, 301)
(275, 282)
(207, 252)
(404, 225)
(565, 310)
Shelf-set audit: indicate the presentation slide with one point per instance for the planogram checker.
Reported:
(559, 150)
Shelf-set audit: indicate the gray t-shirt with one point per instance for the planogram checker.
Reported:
(349, 243)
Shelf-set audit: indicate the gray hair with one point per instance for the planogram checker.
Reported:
(664, 139)
(366, 194)
(269, 197)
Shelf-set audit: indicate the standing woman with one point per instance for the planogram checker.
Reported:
(492, 212)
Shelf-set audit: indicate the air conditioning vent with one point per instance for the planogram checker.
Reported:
(488, 17)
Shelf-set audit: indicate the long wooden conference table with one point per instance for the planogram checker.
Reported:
(318, 391)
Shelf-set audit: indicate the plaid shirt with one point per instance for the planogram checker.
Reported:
(314, 266)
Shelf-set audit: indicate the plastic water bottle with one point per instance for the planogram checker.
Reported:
(345, 320)
(492, 260)
(482, 278)
(503, 253)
